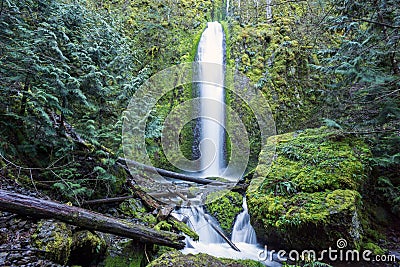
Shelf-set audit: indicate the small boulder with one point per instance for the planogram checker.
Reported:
(86, 248)
(55, 238)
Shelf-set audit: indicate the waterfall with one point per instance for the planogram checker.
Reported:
(212, 243)
(242, 230)
(212, 141)
(199, 221)
(212, 112)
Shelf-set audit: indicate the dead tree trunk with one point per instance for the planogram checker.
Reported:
(39, 208)
(167, 173)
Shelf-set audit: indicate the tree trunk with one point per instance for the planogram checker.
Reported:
(166, 173)
(34, 207)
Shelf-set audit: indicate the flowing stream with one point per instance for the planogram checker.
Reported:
(210, 242)
(242, 230)
(211, 49)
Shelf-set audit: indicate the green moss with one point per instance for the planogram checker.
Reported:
(132, 207)
(312, 185)
(224, 208)
(182, 227)
(275, 55)
(376, 250)
(315, 160)
(176, 258)
(163, 225)
(129, 254)
(55, 238)
(86, 248)
(135, 209)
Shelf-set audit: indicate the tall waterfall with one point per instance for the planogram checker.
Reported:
(212, 112)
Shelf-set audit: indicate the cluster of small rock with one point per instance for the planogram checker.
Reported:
(15, 243)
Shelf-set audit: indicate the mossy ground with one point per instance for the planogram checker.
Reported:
(225, 208)
(176, 258)
(312, 186)
(135, 209)
(129, 254)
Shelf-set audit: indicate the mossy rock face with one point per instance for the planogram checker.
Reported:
(225, 208)
(309, 197)
(86, 248)
(55, 238)
(125, 253)
(177, 258)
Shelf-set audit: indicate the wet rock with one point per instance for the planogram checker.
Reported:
(225, 206)
(55, 238)
(3, 235)
(86, 248)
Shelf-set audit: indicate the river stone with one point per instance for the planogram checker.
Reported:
(309, 198)
(55, 238)
(3, 236)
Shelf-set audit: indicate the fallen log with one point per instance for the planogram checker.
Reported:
(217, 230)
(72, 134)
(34, 207)
(106, 200)
(175, 175)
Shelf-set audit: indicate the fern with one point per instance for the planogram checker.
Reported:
(332, 124)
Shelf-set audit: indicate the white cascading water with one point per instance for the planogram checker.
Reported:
(242, 230)
(212, 111)
(210, 242)
(211, 50)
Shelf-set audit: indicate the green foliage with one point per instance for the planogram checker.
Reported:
(275, 52)
(390, 192)
(129, 254)
(331, 123)
(64, 65)
(364, 66)
(176, 258)
(225, 208)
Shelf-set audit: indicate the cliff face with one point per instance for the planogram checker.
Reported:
(273, 45)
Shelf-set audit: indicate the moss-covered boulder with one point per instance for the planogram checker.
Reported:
(310, 196)
(177, 258)
(125, 253)
(225, 208)
(55, 238)
(86, 248)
